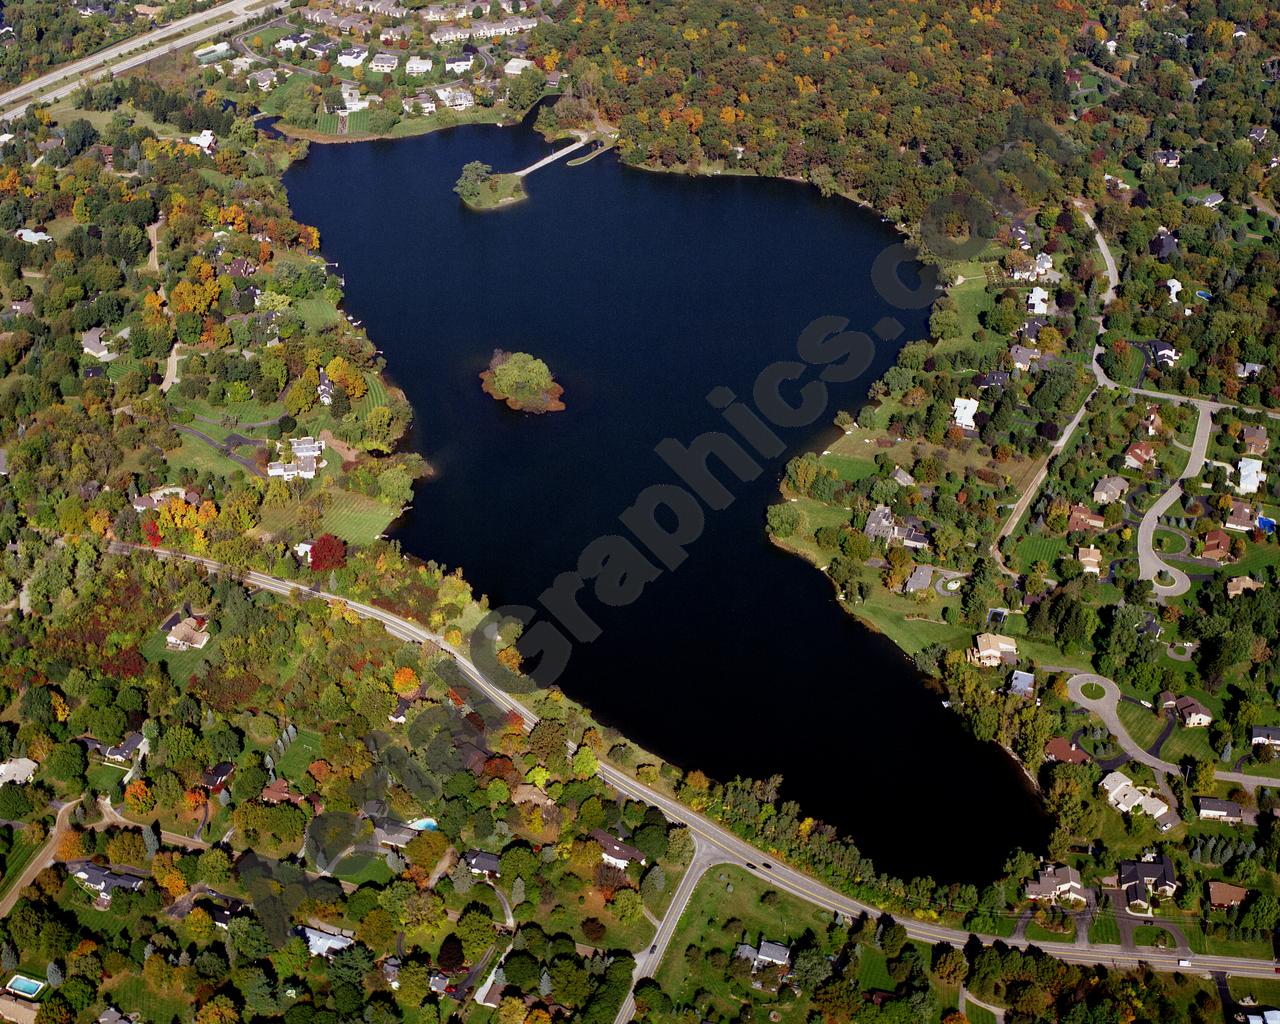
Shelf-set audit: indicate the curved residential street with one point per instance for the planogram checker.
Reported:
(724, 846)
(1105, 708)
(1150, 565)
(43, 859)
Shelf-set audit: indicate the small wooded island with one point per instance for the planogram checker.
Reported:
(481, 189)
(523, 382)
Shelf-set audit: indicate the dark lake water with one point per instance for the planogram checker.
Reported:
(644, 292)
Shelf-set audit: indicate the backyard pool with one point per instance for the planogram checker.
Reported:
(424, 824)
(21, 985)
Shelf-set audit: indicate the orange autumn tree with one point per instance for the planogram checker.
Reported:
(139, 798)
(405, 681)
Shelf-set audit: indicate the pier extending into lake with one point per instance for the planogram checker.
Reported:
(552, 158)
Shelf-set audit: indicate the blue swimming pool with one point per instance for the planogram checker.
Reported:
(1266, 525)
(24, 986)
(1204, 295)
(424, 824)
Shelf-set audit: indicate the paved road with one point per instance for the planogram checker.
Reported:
(194, 28)
(1149, 563)
(968, 997)
(171, 368)
(40, 861)
(113, 817)
(727, 846)
(1105, 708)
(1113, 273)
(221, 449)
(705, 857)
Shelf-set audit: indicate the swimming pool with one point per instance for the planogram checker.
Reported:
(424, 824)
(21, 985)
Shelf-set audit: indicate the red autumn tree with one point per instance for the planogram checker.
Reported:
(328, 552)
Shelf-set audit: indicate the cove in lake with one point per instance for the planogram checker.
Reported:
(644, 292)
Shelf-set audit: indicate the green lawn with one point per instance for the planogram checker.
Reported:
(1103, 930)
(357, 518)
(1141, 724)
(300, 753)
(873, 971)
(1040, 549)
(317, 313)
(104, 777)
(978, 1014)
(1170, 542)
(182, 664)
(17, 859)
(363, 867)
(1093, 691)
(1150, 935)
(1036, 933)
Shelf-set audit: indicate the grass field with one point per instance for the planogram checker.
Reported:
(301, 752)
(356, 518)
(1104, 930)
(182, 664)
(1040, 549)
(1141, 724)
(16, 860)
(1036, 933)
(978, 1014)
(363, 867)
(317, 313)
(104, 777)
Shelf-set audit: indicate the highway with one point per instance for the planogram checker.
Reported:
(65, 79)
(722, 846)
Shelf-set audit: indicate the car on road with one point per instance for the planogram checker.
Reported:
(767, 866)
(751, 867)
(1184, 963)
(653, 949)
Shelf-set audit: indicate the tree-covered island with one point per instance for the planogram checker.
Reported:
(523, 381)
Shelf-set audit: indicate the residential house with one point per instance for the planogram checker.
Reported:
(482, 863)
(1248, 371)
(1164, 246)
(902, 478)
(1082, 518)
(455, 97)
(1243, 517)
(125, 752)
(206, 142)
(393, 34)
(384, 63)
(265, 79)
(517, 66)
(215, 778)
(1255, 440)
(1127, 798)
(1023, 684)
(921, 579)
(113, 1016)
(1141, 880)
(1031, 328)
(418, 66)
(353, 57)
(993, 379)
(1090, 560)
(1212, 809)
(614, 852)
(458, 65)
(12, 1008)
(1268, 734)
(1137, 455)
(1193, 714)
(324, 943)
(1251, 474)
(394, 834)
(963, 411)
(1258, 135)
(1055, 883)
(1175, 288)
(1224, 895)
(1062, 749)
(880, 524)
(212, 54)
(1168, 158)
(18, 770)
(324, 390)
(190, 634)
(1109, 489)
(1217, 545)
(290, 43)
(92, 344)
(1038, 302)
(1238, 585)
(105, 881)
(1213, 200)
(1023, 357)
(1164, 354)
(992, 649)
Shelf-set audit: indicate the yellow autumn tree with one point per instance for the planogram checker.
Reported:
(405, 681)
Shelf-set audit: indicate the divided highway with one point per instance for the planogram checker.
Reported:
(65, 79)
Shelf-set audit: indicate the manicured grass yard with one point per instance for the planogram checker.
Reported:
(301, 752)
(1040, 549)
(104, 777)
(1104, 930)
(978, 1014)
(1141, 724)
(363, 867)
(1038, 934)
(1150, 935)
(15, 862)
(1093, 691)
(182, 664)
(1170, 542)
(357, 518)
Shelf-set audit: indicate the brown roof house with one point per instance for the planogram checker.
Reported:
(1082, 518)
(1217, 545)
(1062, 749)
(1255, 440)
(1194, 715)
(1243, 517)
(1090, 560)
(190, 634)
(1224, 895)
(614, 852)
(1138, 455)
(1238, 585)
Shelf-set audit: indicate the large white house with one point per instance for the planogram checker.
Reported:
(1251, 476)
(964, 411)
(352, 57)
(418, 66)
